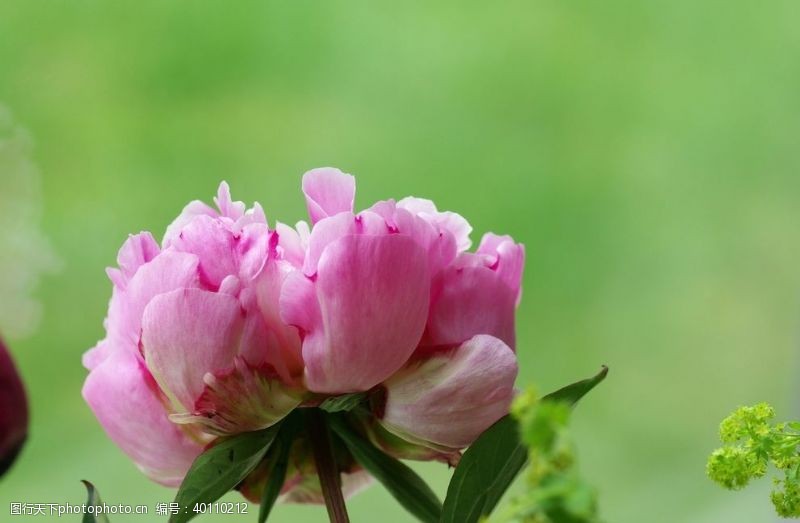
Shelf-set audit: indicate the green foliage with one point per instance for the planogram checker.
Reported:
(535, 431)
(555, 493)
(485, 472)
(404, 484)
(751, 443)
(93, 501)
(343, 403)
(220, 468)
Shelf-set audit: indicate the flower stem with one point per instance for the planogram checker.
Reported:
(328, 472)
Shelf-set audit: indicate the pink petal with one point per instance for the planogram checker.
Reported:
(267, 338)
(215, 246)
(329, 230)
(468, 301)
(169, 270)
(187, 333)
(448, 221)
(451, 398)
(123, 396)
(328, 191)
(244, 398)
(189, 213)
(508, 258)
(227, 207)
(137, 250)
(373, 299)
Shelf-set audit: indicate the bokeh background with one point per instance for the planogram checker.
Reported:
(646, 153)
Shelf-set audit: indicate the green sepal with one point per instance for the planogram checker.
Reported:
(404, 484)
(220, 468)
(93, 500)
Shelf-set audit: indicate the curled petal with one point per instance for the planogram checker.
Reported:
(331, 229)
(169, 270)
(448, 221)
(468, 301)
(328, 191)
(137, 250)
(189, 213)
(215, 247)
(187, 333)
(242, 399)
(371, 303)
(449, 399)
(227, 207)
(126, 401)
(507, 258)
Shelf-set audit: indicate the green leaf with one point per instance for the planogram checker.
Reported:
(220, 468)
(93, 501)
(278, 460)
(404, 484)
(345, 402)
(574, 392)
(484, 473)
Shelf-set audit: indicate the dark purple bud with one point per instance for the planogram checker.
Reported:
(13, 411)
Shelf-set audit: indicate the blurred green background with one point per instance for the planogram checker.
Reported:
(646, 153)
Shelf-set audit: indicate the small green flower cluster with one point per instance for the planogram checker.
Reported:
(751, 443)
(554, 492)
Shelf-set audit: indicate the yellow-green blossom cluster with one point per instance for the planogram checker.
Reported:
(751, 443)
(554, 492)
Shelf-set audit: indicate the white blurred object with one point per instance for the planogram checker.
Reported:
(25, 253)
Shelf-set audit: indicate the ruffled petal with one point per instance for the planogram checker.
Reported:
(448, 221)
(187, 333)
(373, 300)
(169, 270)
(468, 301)
(242, 399)
(137, 250)
(125, 399)
(215, 247)
(328, 192)
(449, 399)
(507, 258)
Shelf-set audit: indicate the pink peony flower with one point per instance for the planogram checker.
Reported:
(13, 411)
(193, 347)
(229, 325)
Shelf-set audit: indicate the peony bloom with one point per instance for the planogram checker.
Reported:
(228, 326)
(13, 411)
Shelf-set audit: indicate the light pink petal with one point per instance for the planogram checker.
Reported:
(280, 343)
(125, 399)
(328, 192)
(190, 212)
(187, 333)
(252, 249)
(448, 221)
(290, 245)
(373, 298)
(468, 301)
(227, 207)
(244, 398)
(508, 258)
(96, 355)
(331, 229)
(451, 398)
(169, 270)
(215, 246)
(137, 250)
